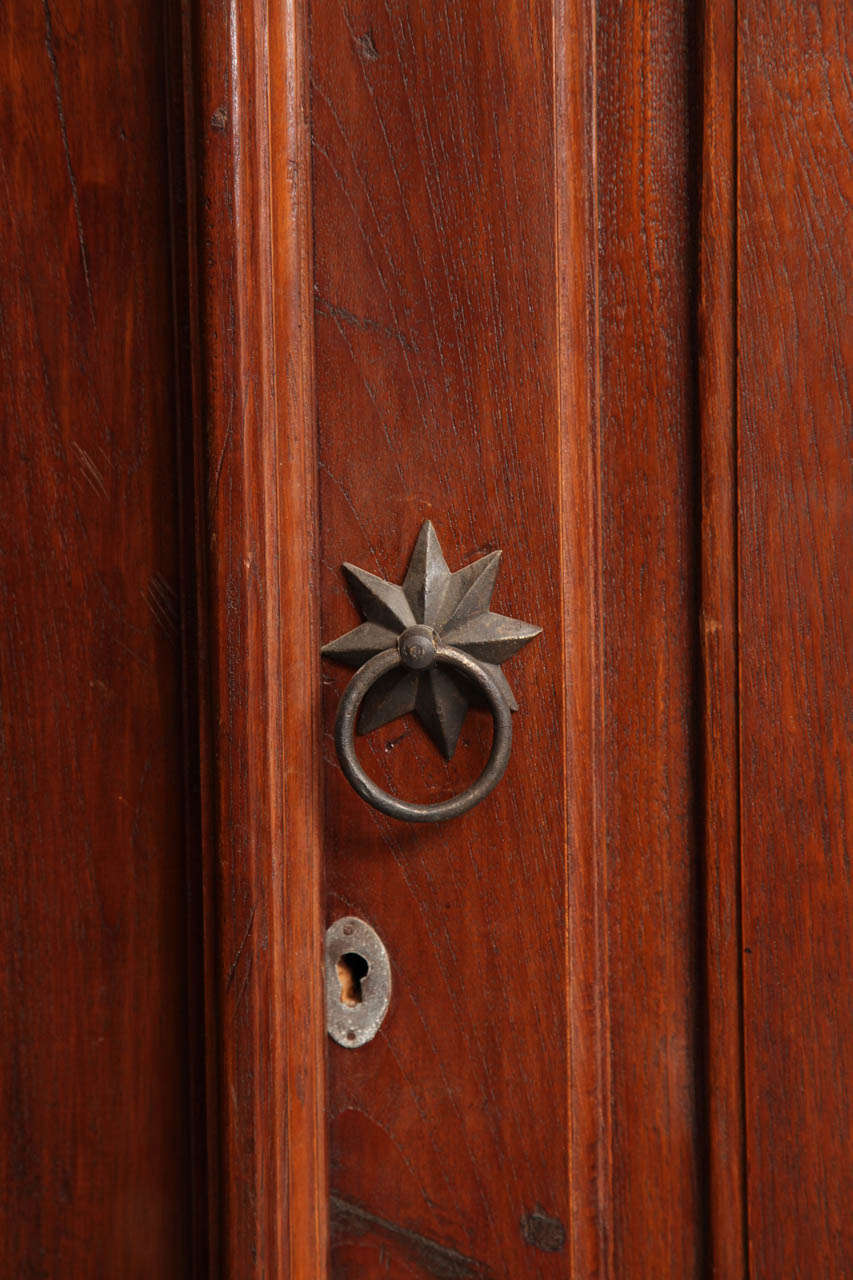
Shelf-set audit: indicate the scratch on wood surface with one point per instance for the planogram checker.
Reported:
(436, 1259)
(365, 323)
(233, 968)
(213, 495)
(366, 46)
(90, 470)
(543, 1232)
(162, 600)
(244, 985)
(75, 195)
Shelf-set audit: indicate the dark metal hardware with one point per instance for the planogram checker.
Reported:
(431, 646)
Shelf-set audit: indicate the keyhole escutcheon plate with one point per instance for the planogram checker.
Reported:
(358, 982)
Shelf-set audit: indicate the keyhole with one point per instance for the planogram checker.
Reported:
(352, 968)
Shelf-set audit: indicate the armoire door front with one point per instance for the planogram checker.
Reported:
(428, 719)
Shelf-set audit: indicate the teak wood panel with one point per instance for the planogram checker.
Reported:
(413, 176)
(94, 1113)
(509, 302)
(795, 550)
(436, 396)
(439, 258)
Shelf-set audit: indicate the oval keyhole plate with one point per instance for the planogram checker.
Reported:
(358, 982)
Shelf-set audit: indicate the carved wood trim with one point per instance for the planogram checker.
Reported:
(719, 635)
(251, 332)
(590, 1230)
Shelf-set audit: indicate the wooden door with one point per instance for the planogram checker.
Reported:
(96, 992)
(284, 281)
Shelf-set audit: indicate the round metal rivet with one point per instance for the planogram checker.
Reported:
(417, 647)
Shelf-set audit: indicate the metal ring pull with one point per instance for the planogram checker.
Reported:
(365, 678)
(430, 645)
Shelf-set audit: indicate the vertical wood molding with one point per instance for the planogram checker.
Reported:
(255, 528)
(591, 1234)
(302, 907)
(795, 550)
(647, 123)
(719, 633)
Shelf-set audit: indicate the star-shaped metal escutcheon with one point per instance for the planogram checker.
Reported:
(432, 607)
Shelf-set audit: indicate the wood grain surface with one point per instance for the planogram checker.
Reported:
(94, 1116)
(647, 166)
(436, 394)
(248, 320)
(795, 553)
(281, 280)
(588, 1138)
(720, 854)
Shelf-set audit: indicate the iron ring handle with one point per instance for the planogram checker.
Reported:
(354, 695)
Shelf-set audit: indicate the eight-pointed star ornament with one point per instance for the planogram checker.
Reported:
(450, 608)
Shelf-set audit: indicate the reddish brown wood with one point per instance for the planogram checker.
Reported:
(795, 552)
(436, 387)
(94, 1149)
(647, 142)
(255, 486)
(718, 466)
(559, 308)
(305, 1226)
(576, 215)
